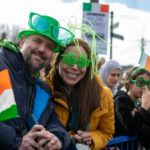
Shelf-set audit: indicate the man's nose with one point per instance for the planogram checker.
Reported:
(42, 48)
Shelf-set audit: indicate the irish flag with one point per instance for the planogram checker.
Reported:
(8, 108)
(145, 60)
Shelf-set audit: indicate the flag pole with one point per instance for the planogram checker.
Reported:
(141, 55)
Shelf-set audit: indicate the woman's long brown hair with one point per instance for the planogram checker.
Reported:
(86, 92)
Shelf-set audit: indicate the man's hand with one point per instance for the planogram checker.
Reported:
(28, 141)
(40, 139)
(49, 142)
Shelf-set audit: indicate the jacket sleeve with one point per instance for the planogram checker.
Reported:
(131, 124)
(105, 130)
(8, 138)
(144, 135)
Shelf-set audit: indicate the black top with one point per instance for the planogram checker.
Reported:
(126, 123)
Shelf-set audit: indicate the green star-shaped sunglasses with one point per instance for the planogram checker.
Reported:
(70, 59)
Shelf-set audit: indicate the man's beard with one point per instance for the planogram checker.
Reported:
(31, 67)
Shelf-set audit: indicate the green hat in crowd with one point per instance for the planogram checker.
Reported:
(49, 27)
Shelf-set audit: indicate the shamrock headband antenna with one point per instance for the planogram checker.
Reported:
(86, 29)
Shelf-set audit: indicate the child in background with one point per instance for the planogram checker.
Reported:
(131, 119)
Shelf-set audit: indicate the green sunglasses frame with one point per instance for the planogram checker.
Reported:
(50, 28)
(141, 85)
(31, 25)
(70, 59)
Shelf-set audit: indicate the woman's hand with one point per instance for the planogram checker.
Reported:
(83, 137)
(146, 99)
(133, 111)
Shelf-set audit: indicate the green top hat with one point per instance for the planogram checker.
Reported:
(49, 27)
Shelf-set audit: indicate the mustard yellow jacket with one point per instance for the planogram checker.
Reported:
(101, 121)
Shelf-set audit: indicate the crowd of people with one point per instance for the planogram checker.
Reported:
(62, 103)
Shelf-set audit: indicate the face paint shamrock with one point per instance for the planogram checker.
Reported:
(70, 59)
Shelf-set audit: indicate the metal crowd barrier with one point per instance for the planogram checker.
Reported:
(125, 143)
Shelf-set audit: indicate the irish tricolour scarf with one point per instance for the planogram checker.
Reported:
(8, 108)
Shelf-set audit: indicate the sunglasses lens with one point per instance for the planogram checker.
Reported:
(148, 84)
(140, 82)
(81, 63)
(39, 23)
(63, 35)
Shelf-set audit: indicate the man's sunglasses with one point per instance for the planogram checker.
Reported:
(41, 24)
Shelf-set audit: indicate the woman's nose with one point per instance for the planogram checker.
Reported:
(144, 87)
(75, 66)
(117, 77)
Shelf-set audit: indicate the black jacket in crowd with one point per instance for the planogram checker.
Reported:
(127, 124)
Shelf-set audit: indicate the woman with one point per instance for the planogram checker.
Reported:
(130, 118)
(110, 74)
(82, 104)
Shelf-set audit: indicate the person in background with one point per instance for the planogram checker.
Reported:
(132, 118)
(122, 82)
(101, 61)
(32, 95)
(83, 105)
(110, 74)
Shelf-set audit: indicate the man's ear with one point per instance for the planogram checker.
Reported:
(22, 40)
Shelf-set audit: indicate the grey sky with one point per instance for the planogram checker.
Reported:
(133, 24)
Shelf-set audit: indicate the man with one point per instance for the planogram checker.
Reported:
(32, 95)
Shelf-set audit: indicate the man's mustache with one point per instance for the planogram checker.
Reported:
(40, 54)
